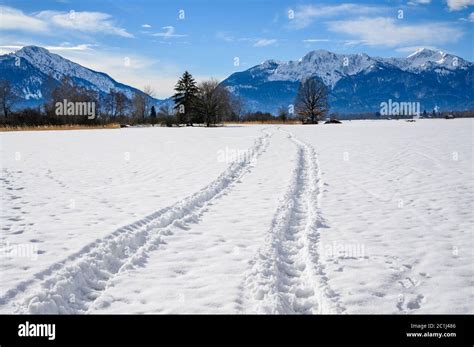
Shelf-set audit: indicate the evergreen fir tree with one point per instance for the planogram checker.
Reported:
(184, 98)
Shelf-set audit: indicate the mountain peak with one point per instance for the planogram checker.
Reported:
(40, 65)
(318, 54)
(35, 49)
(49, 63)
(328, 66)
(423, 52)
(270, 63)
(32, 51)
(319, 51)
(427, 58)
(37, 55)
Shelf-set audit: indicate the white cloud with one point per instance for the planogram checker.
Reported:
(471, 17)
(146, 26)
(169, 32)
(90, 22)
(305, 15)
(62, 48)
(127, 67)
(456, 5)
(254, 41)
(315, 40)
(354, 42)
(225, 36)
(264, 42)
(45, 22)
(12, 47)
(6, 49)
(411, 49)
(419, 2)
(388, 32)
(13, 19)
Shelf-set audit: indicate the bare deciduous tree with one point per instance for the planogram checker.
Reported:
(283, 113)
(213, 101)
(116, 103)
(7, 97)
(139, 105)
(122, 103)
(71, 92)
(237, 106)
(110, 106)
(312, 100)
(166, 115)
(149, 95)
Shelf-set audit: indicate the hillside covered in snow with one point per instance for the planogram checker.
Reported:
(359, 83)
(34, 72)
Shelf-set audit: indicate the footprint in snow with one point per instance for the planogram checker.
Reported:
(415, 303)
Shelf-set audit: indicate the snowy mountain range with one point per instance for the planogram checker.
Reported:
(359, 83)
(34, 72)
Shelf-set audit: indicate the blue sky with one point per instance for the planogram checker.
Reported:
(152, 42)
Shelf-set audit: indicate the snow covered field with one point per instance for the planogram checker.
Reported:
(363, 217)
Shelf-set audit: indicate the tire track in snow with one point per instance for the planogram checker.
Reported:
(72, 285)
(287, 276)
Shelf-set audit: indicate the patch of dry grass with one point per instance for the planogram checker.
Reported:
(58, 127)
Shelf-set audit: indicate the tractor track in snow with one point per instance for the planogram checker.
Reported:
(287, 275)
(72, 285)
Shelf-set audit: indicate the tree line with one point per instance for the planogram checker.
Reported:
(113, 107)
(207, 103)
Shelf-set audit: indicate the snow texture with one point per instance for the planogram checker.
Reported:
(363, 217)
